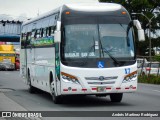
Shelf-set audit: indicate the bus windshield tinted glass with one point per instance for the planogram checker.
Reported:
(89, 41)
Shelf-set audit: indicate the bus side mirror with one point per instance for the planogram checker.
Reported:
(57, 36)
(57, 33)
(58, 25)
(141, 36)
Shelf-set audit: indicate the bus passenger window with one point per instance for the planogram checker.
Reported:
(44, 32)
(29, 35)
(23, 40)
(53, 28)
(35, 34)
(28, 39)
(49, 31)
(38, 33)
(41, 32)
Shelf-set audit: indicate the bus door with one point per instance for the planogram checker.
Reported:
(31, 54)
(32, 67)
(24, 56)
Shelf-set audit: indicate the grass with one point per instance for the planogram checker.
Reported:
(151, 79)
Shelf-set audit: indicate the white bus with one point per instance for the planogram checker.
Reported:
(81, 49)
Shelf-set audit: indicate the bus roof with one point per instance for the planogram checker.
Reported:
(88, 7)
(94, 7)
(50, 18)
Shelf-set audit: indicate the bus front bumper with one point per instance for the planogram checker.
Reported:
(7, 66)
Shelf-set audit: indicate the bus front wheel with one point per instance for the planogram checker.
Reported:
(56, 99)
(116, 97)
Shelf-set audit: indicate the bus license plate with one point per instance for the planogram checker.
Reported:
(101, 89)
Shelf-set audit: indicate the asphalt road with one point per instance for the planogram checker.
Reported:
(147, 98)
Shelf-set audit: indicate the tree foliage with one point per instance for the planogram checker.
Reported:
(157, 58)
(148, 8)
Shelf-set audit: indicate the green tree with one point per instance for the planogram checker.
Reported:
(147, 7)
(157, 58)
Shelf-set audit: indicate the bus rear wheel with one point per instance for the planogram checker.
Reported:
(116, 97)
(31, 89)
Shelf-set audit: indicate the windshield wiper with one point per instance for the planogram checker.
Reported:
(109, 54)
(105, 50)
(93, 46)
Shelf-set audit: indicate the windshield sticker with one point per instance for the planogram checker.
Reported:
(72, 55)
(127, 70)
(82, 55)
(96, 43)
(132, 53)
(100, 64)
(96, 47)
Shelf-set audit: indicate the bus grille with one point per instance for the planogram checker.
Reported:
(101, 80)
(101, 83)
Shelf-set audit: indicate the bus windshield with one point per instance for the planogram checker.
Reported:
(92, 40)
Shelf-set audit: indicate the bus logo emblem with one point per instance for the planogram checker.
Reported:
(100, 64)
(101, 78)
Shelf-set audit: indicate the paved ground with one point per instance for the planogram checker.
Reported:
(15, 97)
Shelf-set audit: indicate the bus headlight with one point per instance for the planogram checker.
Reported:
(130, 77)
(69, 78)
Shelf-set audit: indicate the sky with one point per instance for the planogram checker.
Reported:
(31, 8)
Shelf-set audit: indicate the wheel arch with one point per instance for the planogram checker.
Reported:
(51, 77)
(28, 74)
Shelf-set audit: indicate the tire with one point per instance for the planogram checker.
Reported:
(31, 89)
(56, 99)
(116, 97)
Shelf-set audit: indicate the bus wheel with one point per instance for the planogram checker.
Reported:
(116, 97)
(31, 89)
(56, 99)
